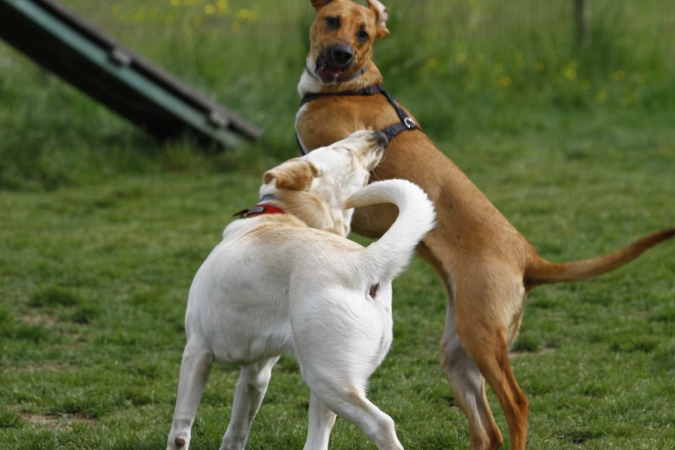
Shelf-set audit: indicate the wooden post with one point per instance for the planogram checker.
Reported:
(583, 18)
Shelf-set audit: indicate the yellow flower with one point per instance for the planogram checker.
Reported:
(570, 71)
(431, 63)
(505, 82)
(539, 67)
(175, 2)
(499, 67)
(138, 16)
(601, 96)
(641, 79)
(114, 9)
(209, 10)
(585, 85)
(618, 75)
(247, 14)
(223, 7)
(197, 22)
(236, 26)
(520, 59)
(460, 57)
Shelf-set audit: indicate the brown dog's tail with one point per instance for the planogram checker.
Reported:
(543, 272)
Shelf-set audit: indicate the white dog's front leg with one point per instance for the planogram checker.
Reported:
(251, 389)
(194, 372)
(321, 421)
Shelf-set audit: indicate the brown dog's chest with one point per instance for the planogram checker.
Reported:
(325, 120)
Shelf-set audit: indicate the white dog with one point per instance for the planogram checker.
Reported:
(288, 281)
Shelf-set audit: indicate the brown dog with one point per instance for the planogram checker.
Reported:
(488, 268)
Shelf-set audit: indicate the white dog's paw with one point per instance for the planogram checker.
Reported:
(180, 442)
(233, 443)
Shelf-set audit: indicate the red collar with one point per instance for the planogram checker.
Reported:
(258, 210)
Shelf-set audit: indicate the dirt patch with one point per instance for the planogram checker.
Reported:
(31, 368)
(35, 368)
(64, 422)
(38, 319)
(537, 353)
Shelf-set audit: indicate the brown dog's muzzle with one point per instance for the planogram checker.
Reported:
(334, 62)
(339, 55)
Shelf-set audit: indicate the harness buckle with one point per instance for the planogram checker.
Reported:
(409, 123)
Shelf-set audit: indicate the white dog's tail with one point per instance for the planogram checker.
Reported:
(391, 253)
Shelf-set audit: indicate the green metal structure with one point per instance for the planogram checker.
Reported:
(97, 64)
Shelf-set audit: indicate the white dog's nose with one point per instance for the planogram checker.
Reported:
(381, 139)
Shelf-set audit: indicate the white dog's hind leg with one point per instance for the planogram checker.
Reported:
(251, 389)
(351, 404)
(321, 421)
(194, 372)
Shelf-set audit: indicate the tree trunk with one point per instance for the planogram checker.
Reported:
(583, 18)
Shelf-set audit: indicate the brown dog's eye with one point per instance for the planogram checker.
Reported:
(362, 35)
(333, 22)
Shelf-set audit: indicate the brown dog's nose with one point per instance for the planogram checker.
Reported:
(381, 139)
(340, 54)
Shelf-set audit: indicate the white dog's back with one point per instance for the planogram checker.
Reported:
(244, 287)
(240, 298)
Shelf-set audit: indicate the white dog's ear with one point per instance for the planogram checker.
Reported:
(296, 174)
(381, 17)
(318, 4)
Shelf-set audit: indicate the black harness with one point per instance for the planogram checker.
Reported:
(406, 122)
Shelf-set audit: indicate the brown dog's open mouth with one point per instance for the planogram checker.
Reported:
(329, 73)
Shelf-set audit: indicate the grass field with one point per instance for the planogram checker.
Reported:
(102, 229)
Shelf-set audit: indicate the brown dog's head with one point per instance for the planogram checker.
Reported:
(342, 37)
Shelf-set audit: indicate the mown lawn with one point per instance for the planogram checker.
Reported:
(102, 229)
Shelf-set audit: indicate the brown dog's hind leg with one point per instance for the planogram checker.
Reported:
(482, 328)
(468, 385)
(462, 374)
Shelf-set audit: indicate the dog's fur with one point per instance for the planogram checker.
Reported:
(275, 285)
(488, 268)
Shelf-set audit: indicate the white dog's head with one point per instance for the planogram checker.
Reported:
(315, 186)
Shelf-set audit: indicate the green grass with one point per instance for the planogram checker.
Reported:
(102, 229)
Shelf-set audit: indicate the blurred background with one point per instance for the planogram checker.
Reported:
(465, 68)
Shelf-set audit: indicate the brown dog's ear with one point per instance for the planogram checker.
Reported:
(296, 175)
(381, 17)
(318, 4)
